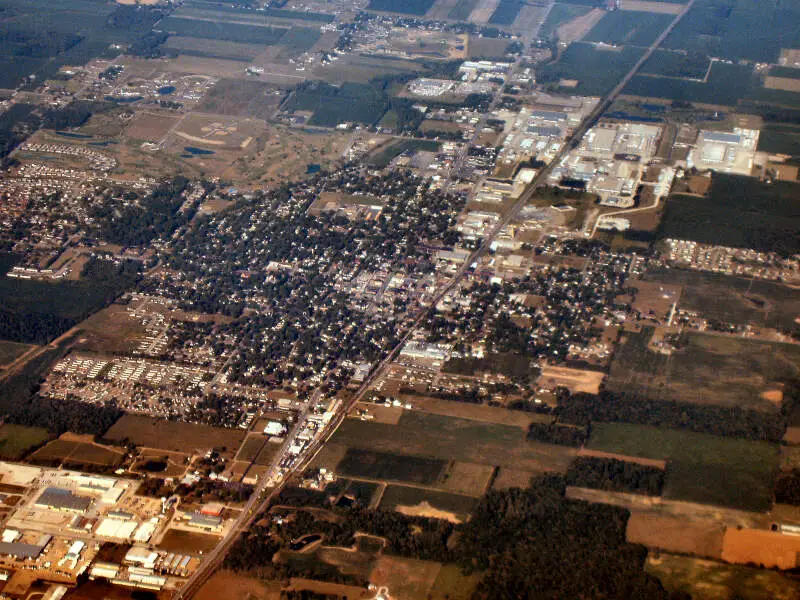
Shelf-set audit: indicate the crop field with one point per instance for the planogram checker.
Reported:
(226, 50)
(405, 7)
(462, 10)
(386, 154)
(706, 369)
(450, 438)
(178, 437)
(232, 586)
(748, 29)
(352, 102)
(726, 86)
(561, 13)
(452, 584)
(218, 30)
(189, 542)
(251, 447)
(734, 299)
(506, 12)
(677, 64)
(628, 27)
(415, 501)
(242, 98)
(469, 479)
(16, 440)
(393, 467)
(476, 412)
(596, 70)
(711, 580)
(701, 468)
(780, 139)
(267, 454)
(698, 538)
(508, 477)
(768, 209)
(11, 351)
(490, 48)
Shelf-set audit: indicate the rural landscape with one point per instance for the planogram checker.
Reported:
(399, 299)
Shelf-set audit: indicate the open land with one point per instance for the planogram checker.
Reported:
(16, 440)
(675, 535)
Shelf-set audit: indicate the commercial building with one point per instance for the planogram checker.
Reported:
(62, 499)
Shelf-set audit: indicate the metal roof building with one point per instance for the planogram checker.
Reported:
(62, 499)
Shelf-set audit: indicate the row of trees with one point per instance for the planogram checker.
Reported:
(616, 476)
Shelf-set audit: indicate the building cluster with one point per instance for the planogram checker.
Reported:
(743, 262)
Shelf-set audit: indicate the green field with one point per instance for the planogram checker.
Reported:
(385, 155)
(203, 8)
(331, 105)
(219, 30)
(769, 210)
(780, 138)
(629, 27)
(702, 468)
(448, 438)
(398, 495)
(16, 440)
(560, 14)
(710, 580)
(462, 10)
(746, 29)
(406, 7)
(726, 85)
(676, 64)
(393, 467)
(735, 300)
(597, 71)
(706, 369)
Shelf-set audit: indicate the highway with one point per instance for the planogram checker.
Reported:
(262, 497)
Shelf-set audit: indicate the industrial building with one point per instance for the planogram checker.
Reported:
(726, 151)
(54, 498)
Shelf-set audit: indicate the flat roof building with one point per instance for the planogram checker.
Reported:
(62, 499)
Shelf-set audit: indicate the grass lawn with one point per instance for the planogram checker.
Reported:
(16, 440)
(701, 468)
(10, 351)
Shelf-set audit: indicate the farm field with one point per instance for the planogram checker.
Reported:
(734, 299)
(508, 477)
(748, 29)
(596, 71)
(452, 584)
(710, 580)
(450, 438)
(768, 209)
(622, 27)
(222, 49)
(506, 12)
(178, 437)
(675, 535)
(406, 7)
(701, 468)
(415, 501)
(726, 84)
(352, 102)
(706, 369)
(378, 465)
(218, 30)
(676, 64)
(561, 13)
(233, 586)
(407, 577)
(475, 412)
(251, 447)
(779, 138)
(462, 10)
(16, 440)
(179, 541)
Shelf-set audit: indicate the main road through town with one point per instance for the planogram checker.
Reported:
(263, 494)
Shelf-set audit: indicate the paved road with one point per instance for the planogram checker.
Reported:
(262, 497)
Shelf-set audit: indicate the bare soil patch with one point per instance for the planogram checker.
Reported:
(675, 535)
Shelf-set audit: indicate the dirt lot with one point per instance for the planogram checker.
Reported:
(188, 542)
(406, 578)
(675, 535)
(761, 547)
(575, 380)
(178, 437)
(232, 586)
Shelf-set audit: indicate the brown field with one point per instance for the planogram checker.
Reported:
(151, 126)
(242, 98)
(648, 462)
(478, 47)
(475, 412)
(467, 478)
(761, 547)
(187, 542)
(251, 447)
(675, 535)
(667, 8)
(406, 578)
(267, 454)
(178, 437)
(176, 461)
(654, 298)
(575, 380)
(323, 587)
(74, 452)
(790, 456)
(512, 478)
(711, 580)
(110, 330)
(575, 29)
(389, 415)
(232, 586)
(786, 84)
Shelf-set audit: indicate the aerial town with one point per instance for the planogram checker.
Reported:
(399, 299)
